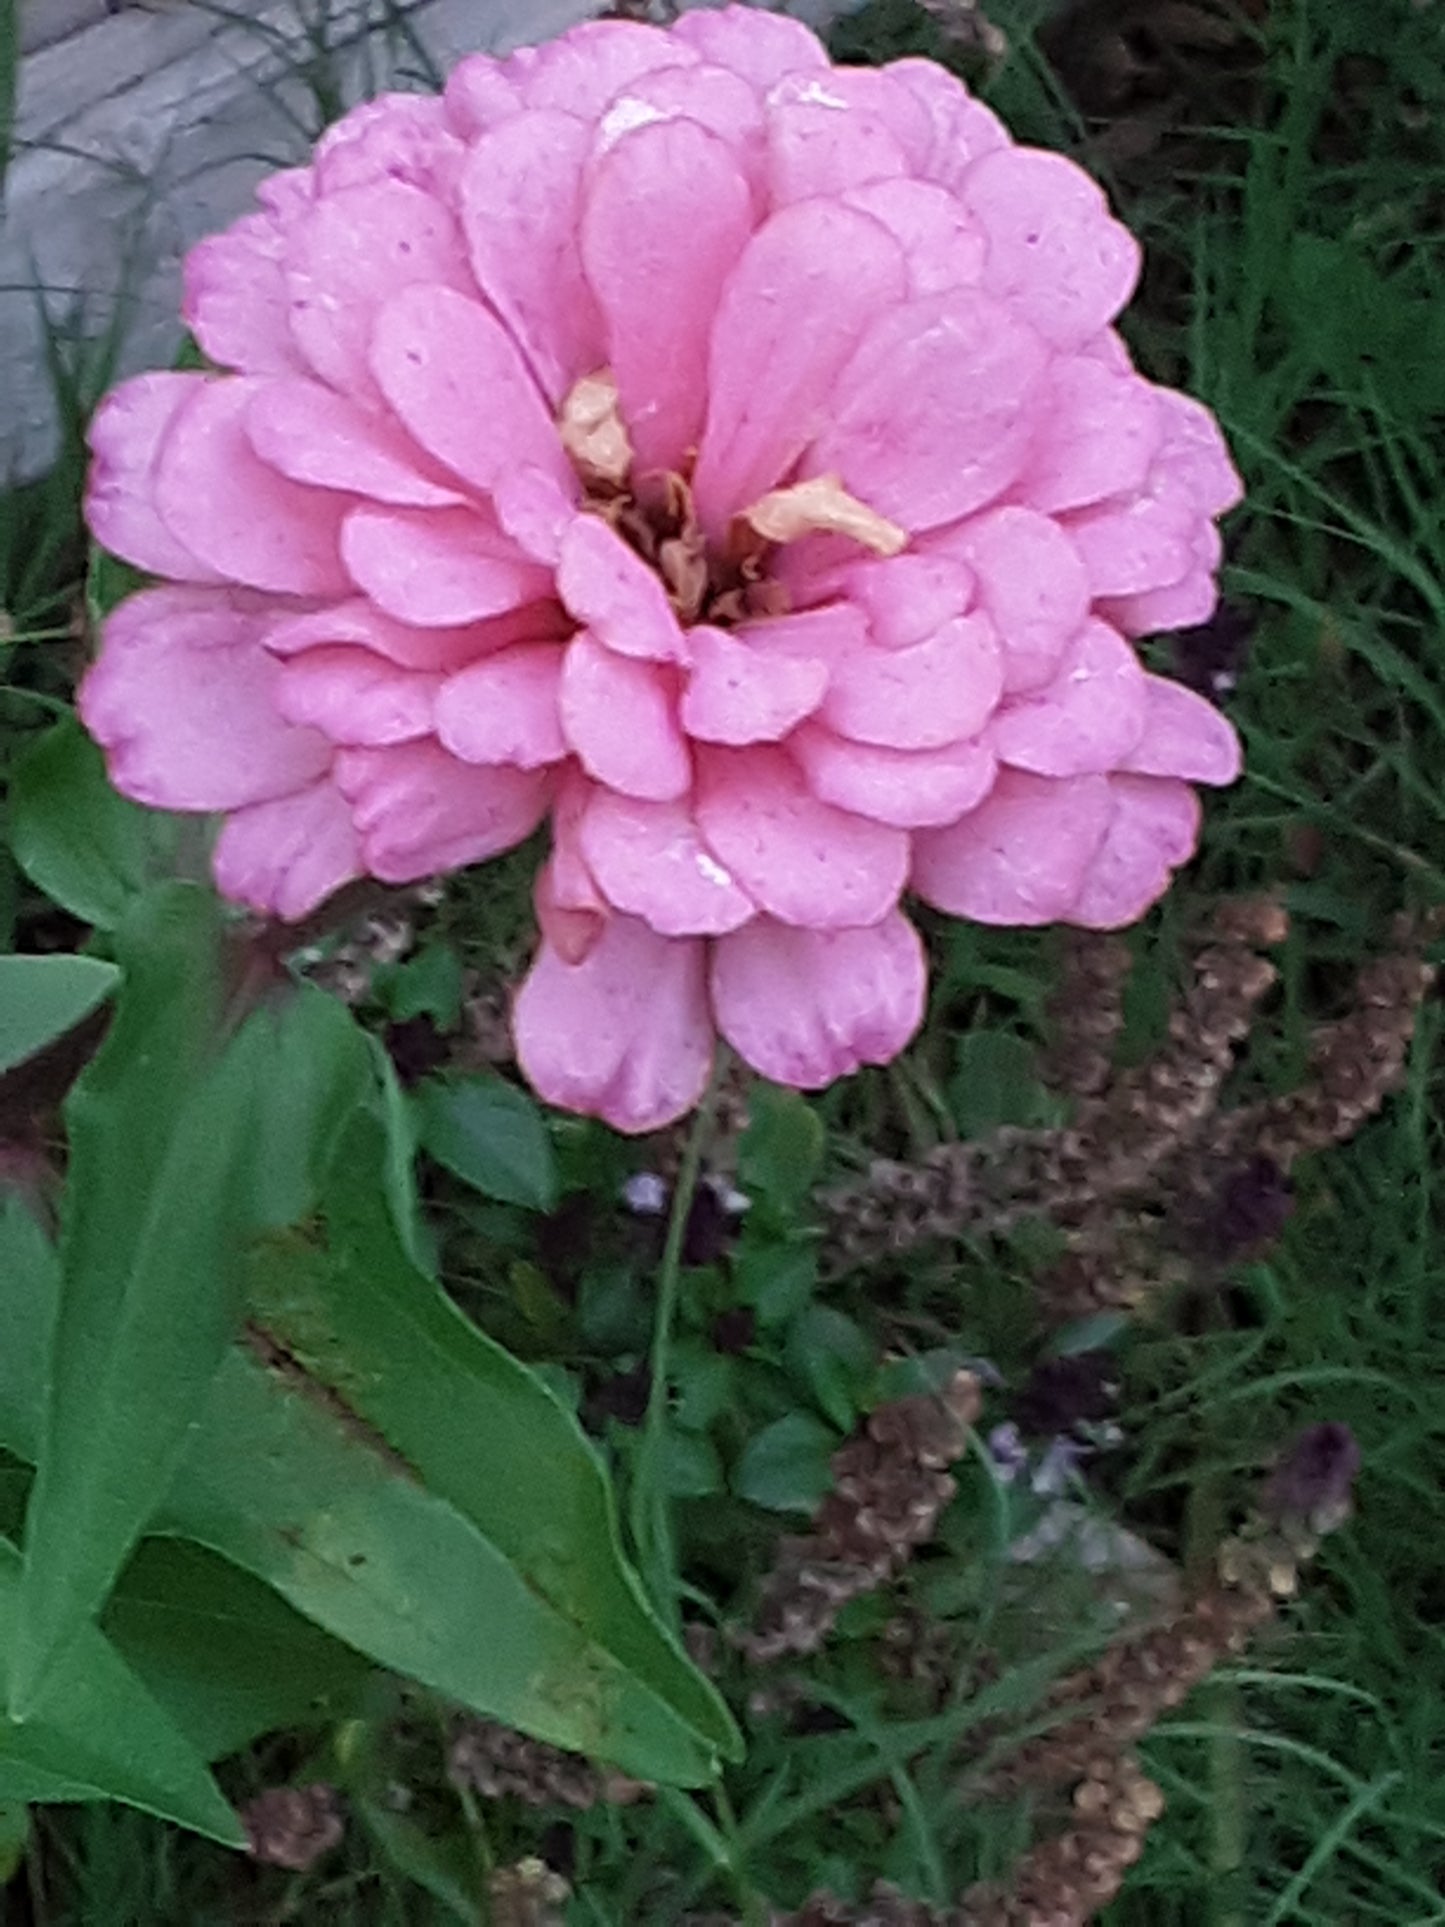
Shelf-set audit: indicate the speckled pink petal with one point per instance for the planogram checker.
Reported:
(1056, 254)
(125, 436)
(314, 435)
(709, 97)
(235, 300)
(619, 715)
(1088, 718)
(760, 46)
(608, 586)
(1153, 828)
(1021, 856)
(796, 857)
(284, 857)
(909, 788)
(937, 692)
(1144, 543)
(740, 692)
(809, 282)
(182, 700)
(1183, 736)
(1032, 583)
(1104, 430)
(399, 137)
(1194, 453)
(418, 810)
(360, 623)
(438, 568)
(457, 381)
(355, 696)
(817, 146)
(624, 1035)
(961, 128)
(935, 414)
(350, 255)
(943, 245)
(650, 861)
(232, 511)
(804, 1007)
(666, 216)
(582, 71)
(521, 208)
(504, 709)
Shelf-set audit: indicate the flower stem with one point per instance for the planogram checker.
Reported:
(651, 1508)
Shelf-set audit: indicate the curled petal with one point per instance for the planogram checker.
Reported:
(235, 300)
(910, 788)
(1088, 718)
(504, 709)
(438, 568)
(806, 1006)
(418, 810)
(399, 137)
(796, 857)
(625, 1035)
(126, 435)
(961, 129)
(583, 70)
(935, 692)
(1183, 736)
(359, 622)
(571, 910)
(1105, 428)
(284, 857)
(762, 47)
(182, 699)
(740, 693)
(649, 860)
(314, 435)
(619, 715)
(233, 511)
(1031, 582)
(1153, 827)
(1021, 856)
(710, 97)
(480, 93)
(356, 696)
(607, 586)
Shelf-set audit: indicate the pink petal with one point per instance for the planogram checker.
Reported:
(126, 434)
(1031, 582)
(942, 243)
(1153, 828)
(618, 714)
(570, 931)
(1056, 254)
(504, 709)
(316, 436)
(536, 510)
(909, 788)
(360, 623)
(480, 93)
(825, 635)
(1182, 605)
(456, 379)
(624, 1035)
(1183, 736)
(520, 206)
(235, 513)
(581, 71)
(1021, 856)
(284, 857)
(739, 693)
(182, 699)
(1195, 454)
(804, 1007)
(709, 97)
(904, 598)
(1145, 543)
(1104, 429)
(355, 696)
(400, 137)
(608, 586)
(650, 862)
(349, 257)
(937, 692)
(437, 568)
(760, 46)
(935, 414)
(796, 857)
(235, 301)
(418, 810)
(571, 911)
(961, 128)
(809, 282)
(816, 146)
(667, 214)
(1087, 718)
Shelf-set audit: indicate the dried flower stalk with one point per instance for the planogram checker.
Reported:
(528, 1894)
(497, 1761)
(293, 1826)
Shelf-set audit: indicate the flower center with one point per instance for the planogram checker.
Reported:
(654, 514)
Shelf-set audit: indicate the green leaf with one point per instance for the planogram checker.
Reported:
(43, 997)
(75, 838)
(785, 1467)
(14, 1838)
(95, 1733)
(776, 1276)
(491, 1135)
(427, 985)
(832, 1357)
(781, 1151)
(995, 1083)
(29, 1294)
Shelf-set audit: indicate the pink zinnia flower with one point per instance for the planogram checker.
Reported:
(722, 455)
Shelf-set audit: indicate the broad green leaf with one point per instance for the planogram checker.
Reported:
(996, 1082)
(29, 1294)
(14, 1838)
(75, 838)
(785, 1467)
(834, 1359)
(427, 985)
(491, 1135)
(780, 1152)
(95, 1733)
(43, 997)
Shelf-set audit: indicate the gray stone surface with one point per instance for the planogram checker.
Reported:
(142, 127)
